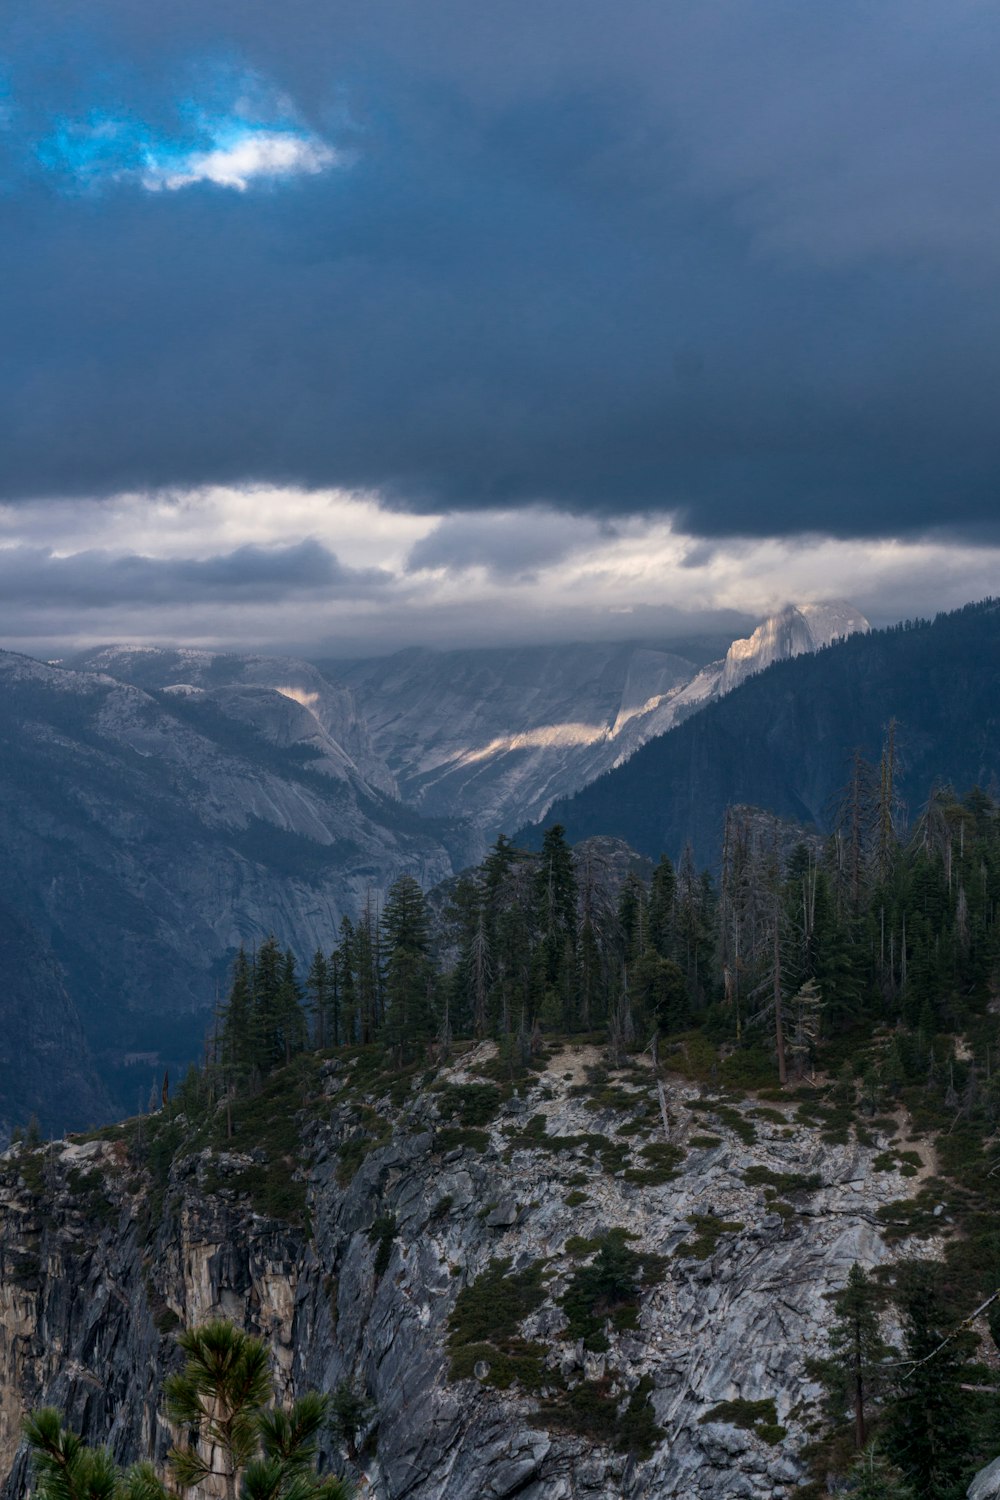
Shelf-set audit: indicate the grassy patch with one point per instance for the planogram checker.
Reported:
(782, 1182)
(456, 1136)
(708, 1230)
(534, 1137)
(662, 1163)
(758, 1417)
(483, 1328)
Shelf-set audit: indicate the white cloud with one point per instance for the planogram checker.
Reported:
(586, 582)
(257, 154)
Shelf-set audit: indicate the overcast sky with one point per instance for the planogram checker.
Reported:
(341, 324)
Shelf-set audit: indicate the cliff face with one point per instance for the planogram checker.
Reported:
(107, 1245)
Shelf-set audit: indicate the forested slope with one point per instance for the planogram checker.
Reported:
(784, 740)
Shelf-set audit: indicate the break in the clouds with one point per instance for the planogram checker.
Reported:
(359, 578)
(228, 128)
(724, 262)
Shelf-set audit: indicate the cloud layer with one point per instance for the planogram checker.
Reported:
(731, 263)
(360, 579)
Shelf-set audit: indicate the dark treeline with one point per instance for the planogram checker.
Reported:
(794, 943)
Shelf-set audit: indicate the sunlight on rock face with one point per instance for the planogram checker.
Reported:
(545, 737)
(299, 695)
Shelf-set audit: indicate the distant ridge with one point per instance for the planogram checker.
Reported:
(782, 740)
(499, 735)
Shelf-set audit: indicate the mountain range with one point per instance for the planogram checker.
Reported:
(498, 736)
(160, 806)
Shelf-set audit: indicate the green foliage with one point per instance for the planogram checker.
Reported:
(473, 1103)
(382, 1235)
(64, 1468)
(872, 1477)
(473, 1140)
(930, 1427)
(592, 1410)
(351, 1412)
(484, 1326)
(31, 1169)
(608, 1288)
(662, 1166)
(758, 1417)
(233, 1436)
(218, 1396)
(855, 1374)
(709, 1228)
(491, 1308)
(783, 1182)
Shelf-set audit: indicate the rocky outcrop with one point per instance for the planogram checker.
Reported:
(761, 1219)
(986, 1485)
(793, 631)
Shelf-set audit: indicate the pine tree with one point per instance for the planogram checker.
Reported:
(366, 962)
(873, 1477)
(555, 904)
(236, 1040)
(265, 1030)
(409, 977)
(342, 962)
(662, 893)
(929, 1432)
(292, 1033)
(217, 1398)
(854, 1373)
(318, 991)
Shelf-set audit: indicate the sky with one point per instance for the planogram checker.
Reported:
(341, 325)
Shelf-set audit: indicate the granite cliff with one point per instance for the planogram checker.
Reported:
(433, 1238)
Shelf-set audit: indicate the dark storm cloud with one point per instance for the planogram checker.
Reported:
(509, 546)
(100, 580)
(733, 261)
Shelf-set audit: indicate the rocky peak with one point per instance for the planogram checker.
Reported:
(796, 629)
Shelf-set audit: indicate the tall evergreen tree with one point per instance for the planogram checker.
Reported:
(929, 1432)
(409, 974)
(855, 1373)
(318, 991)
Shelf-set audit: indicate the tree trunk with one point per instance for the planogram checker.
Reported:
(779, 1020)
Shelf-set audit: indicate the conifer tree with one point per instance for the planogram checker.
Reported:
(873, 1477)
(663, 888)
(929, 1430)
(318, 991)
(555, 905)
(343, 962)
(854, 1373)
(409, 975)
